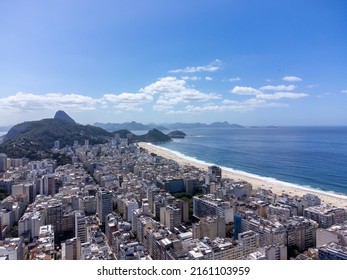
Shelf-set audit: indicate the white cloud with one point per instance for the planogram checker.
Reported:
(227, 106)
(228, 101)
(131, 98)
(322, 95)
(312, 86)
(128, 101)
(236, 79)
(245, 90)
(291, 79)
(212, 67)
(254, 103)
(279, 88)
(207, 78)
(51, 101)
(174, 91)
(205, 108)
(344, 91)
(260, 96)
(210, 108)
(280, 95)
(191, 78)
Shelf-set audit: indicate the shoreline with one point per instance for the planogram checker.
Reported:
(276, 186)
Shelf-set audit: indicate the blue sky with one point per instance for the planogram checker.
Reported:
(248, 62)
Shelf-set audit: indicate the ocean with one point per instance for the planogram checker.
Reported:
(307, 157)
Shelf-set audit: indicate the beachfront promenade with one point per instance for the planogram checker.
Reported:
(276, 186)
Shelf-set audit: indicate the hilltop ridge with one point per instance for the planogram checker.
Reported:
(61, 115)
(35, 139)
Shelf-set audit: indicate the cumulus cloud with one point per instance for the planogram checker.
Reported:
(128, 98)
(227, 106)
(191, 78)
(128, 101)
(312, 86)
(279, 88)
(245, 91)
(207, 78)
(51, 101)
(192, 109)
(212, 67)
(206, 108)
(228, 101)
(282, 92)
(236, 79)
(168, 91)
(172, 91)
(280, 95)
(291, 79)
(325, 94)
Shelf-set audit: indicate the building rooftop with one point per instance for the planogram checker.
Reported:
(324, 209)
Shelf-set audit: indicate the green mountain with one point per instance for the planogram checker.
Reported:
(61, 115)
(153, 136)
(128, 126)
(36, 138)
(120, 126)
(123, 133)
(177, 134)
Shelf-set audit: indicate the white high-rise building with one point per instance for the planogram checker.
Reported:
(249, 240)
(326, 215)
(170, 216)
(208, 205)
(270, 232)
(210, 226)
(130, 205)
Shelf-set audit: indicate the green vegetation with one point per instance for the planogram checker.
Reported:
(61, 115)
(183, 196)
(47, 131)
(177, 134)
(14, 230)
(293, 251)
(35, 139)
(62, 159)
(2, 195)
(189, 198)
(154, 136)
(123, 133)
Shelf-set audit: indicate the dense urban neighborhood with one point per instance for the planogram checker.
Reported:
(117, 201)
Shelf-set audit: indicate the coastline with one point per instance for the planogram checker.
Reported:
(276, 186)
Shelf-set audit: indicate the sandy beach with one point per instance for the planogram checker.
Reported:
(275, 186)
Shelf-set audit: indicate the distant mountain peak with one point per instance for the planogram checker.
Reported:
(61, 115)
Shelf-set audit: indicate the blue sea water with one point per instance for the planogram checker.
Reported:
(311, 157)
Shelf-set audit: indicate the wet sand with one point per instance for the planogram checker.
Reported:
(277, 187)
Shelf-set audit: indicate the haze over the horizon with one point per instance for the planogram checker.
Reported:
(247, 62)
